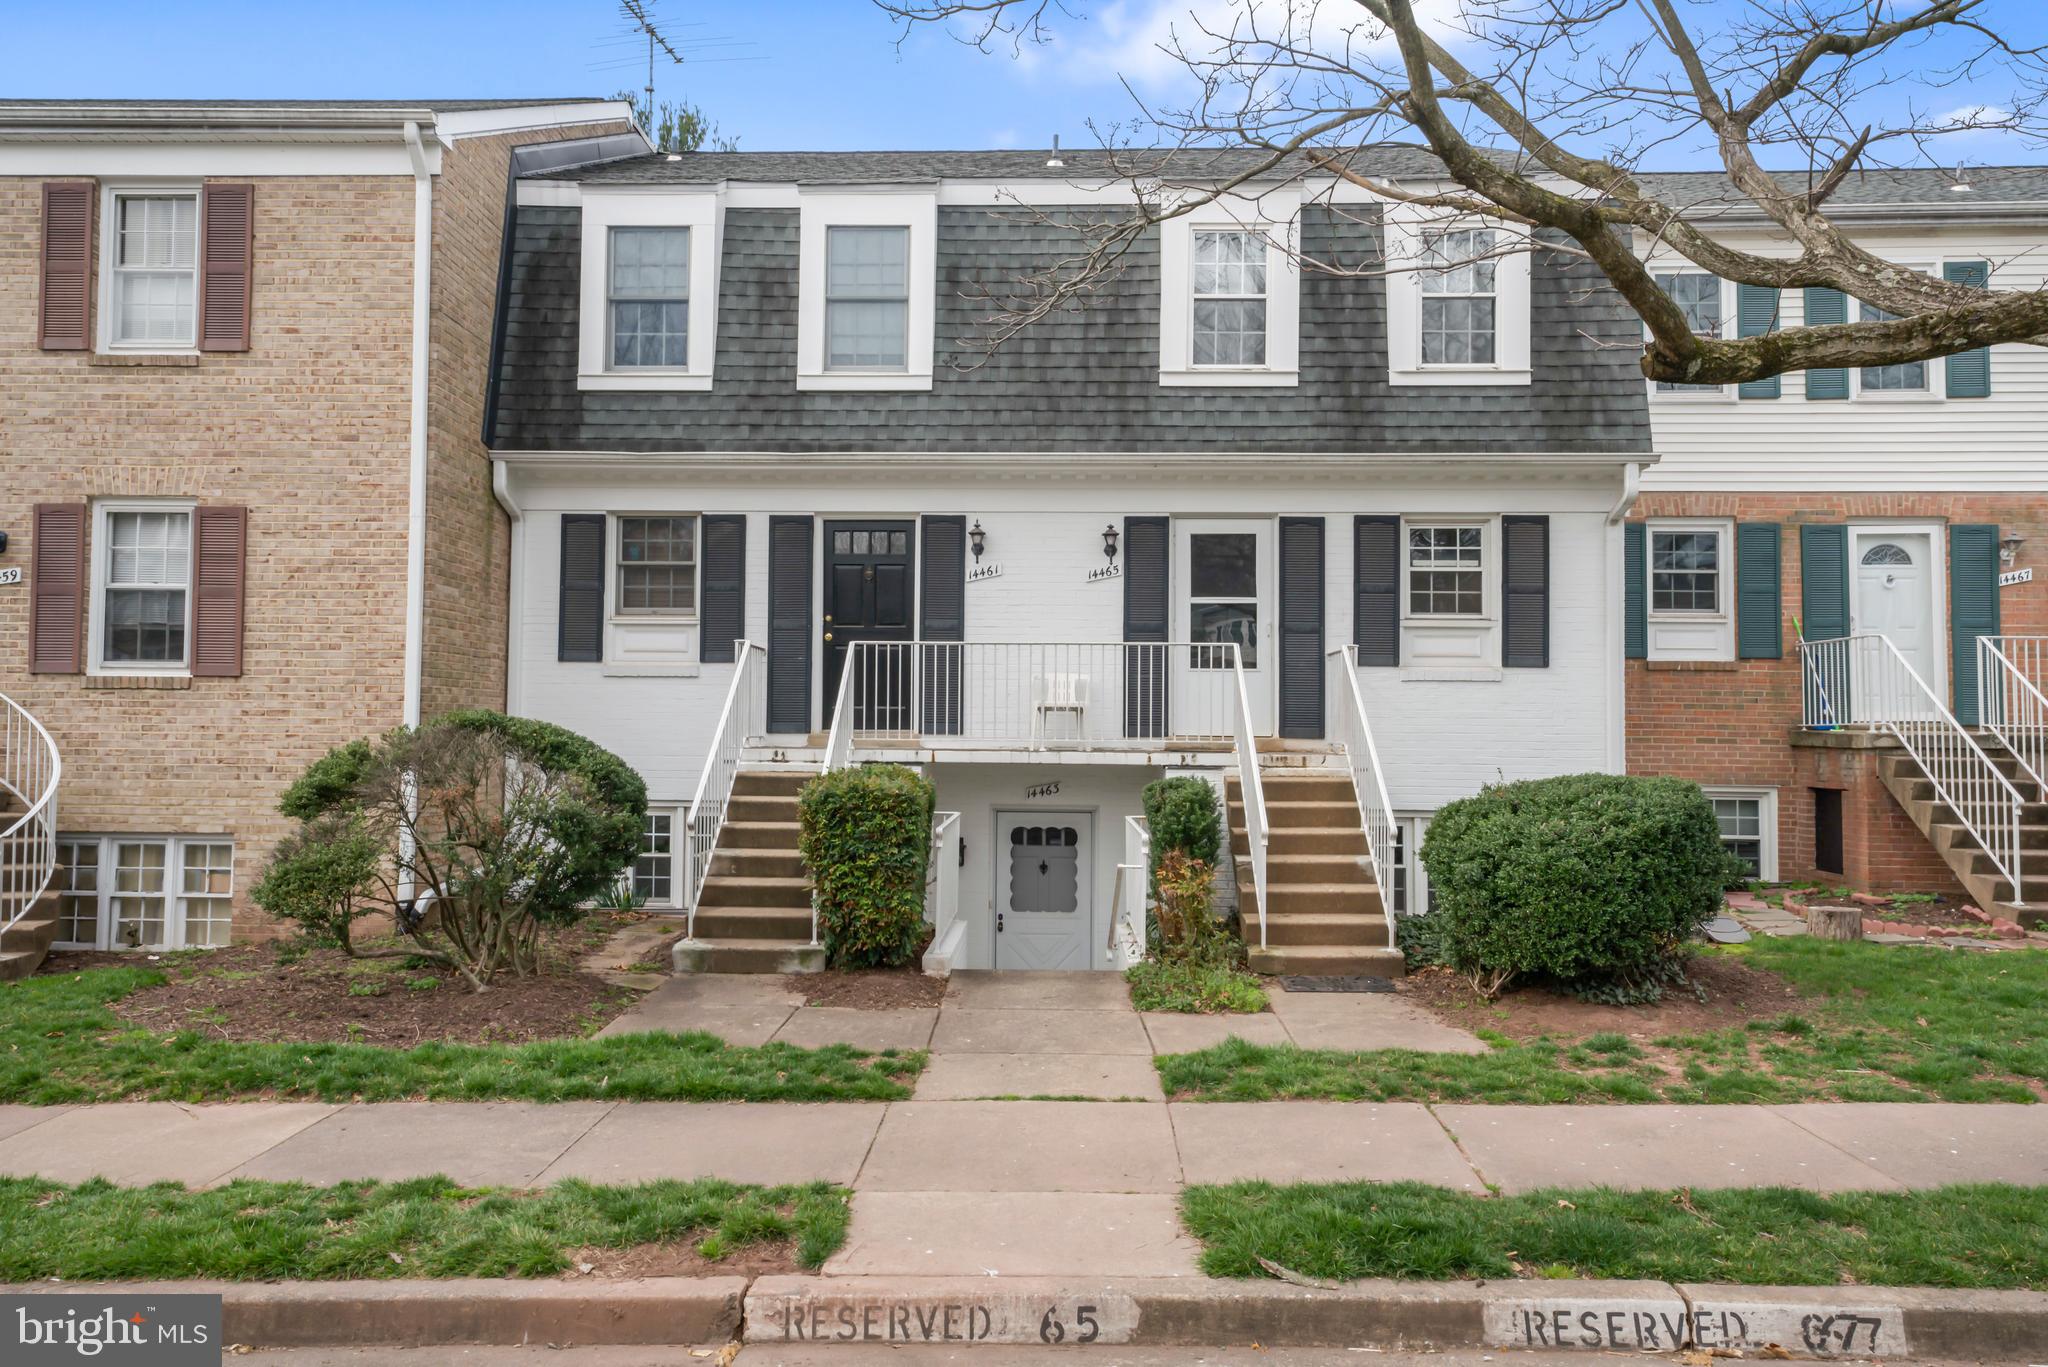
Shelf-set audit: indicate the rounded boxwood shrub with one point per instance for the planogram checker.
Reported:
(1181, 815)
(1597, 882)
(866, 836)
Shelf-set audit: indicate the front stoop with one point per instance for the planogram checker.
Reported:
(1967, 859)
(755, 912)
(25, 944)
(1324, 915)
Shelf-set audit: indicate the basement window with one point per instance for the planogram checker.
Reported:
(654, 870)
(1748, 818)
(144, 892)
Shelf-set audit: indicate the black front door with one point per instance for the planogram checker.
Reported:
(869, 574)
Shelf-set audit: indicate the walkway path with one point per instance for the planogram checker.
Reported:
(953, 1182)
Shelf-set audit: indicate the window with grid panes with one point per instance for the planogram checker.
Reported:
(649, 297)
(1908, 378)
(78, 892)
(1741, 820)
(148, 569)
(867, 298)
(155, 270)
(1685, 571)
(1459, 303)
(1229, 323)
(1699, 296)
(654, 869)
(657, 566)
(206, 892)
(1446, 571)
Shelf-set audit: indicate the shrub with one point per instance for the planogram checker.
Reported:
(1203, 989)
(498, 825)
(866, 835)
(1420, 937)
(1597, 882)
(1181, 814)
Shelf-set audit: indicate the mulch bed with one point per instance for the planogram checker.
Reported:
(1735, 995)
(266, 992)
(867, 989)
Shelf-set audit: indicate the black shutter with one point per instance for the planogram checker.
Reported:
(579, 631)
(1635, 588)
(1147, 557)
(1376, 589)
(1301, 627)
(942, 616)
(725, 585)
(789, 624)
(1525, 592)
(1759, 613)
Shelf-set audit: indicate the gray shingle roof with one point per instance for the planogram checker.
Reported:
(1083, 381)
(450, 106)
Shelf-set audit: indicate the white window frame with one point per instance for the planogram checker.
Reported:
(1767, 825)
(111, 195)
(1936, 369)
(1410, 829)
(678, 843)
(822, 209)
(698, 211)
(1724, 393)
(1276, 217)
(96, 617)
(902, 231)
(619, 611)
(1689, 634)
(650, 644)
(1408, 229)
(1443, 646)
(174, 895)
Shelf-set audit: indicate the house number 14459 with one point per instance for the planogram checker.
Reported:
(11, 575)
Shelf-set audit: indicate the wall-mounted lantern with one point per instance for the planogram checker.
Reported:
(1109, 542)
(2008, 547)
(977, 539)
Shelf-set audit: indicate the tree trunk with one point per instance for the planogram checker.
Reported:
(1835, 923)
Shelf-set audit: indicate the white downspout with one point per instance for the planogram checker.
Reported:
(416, 483)
(515, 596)
(1617, 623)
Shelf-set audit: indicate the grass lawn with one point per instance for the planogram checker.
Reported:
(1884, 1023)
(247, 1231)
(60, 1042)
(1199, 989)
(1961, 1236)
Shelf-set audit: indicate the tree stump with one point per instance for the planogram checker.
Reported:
(1835, 923)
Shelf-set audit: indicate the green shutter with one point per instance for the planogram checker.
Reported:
(1823, 307)
(1824, 582)
(1756, 313)
(1969, 372)
(1759, 612)
(1972, 608)
(1635, 618)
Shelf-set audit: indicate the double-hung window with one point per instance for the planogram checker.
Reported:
(153, 273)
(1748, 820)
(1685, 569)
(867, 297)
(1459, 301)
(648, 295)
(1446, 571)
(1698, 296)
(143, 591)
(654, 869)
(1907, 378)
(657, 567)
(144, 892)
(1229, 277)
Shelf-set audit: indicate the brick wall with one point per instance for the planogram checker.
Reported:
(1723, 723)
(308, 430)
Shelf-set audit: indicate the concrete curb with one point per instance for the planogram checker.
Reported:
(963, 1312)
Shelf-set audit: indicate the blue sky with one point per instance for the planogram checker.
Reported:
(816, 74)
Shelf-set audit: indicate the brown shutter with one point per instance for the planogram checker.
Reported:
(57, 590)
(67, 265)
(220, 536)
(227, 236)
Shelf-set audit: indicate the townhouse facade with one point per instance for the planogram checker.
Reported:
(1906, 502)
(243, 354)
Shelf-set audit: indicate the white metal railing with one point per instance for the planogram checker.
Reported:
(1351, 729)
(29, 769)
(743, 717)
(1037, 694)
(1132, 892)
(1254, 794)
(1863, 680)
(942, 877)
(2012, 699)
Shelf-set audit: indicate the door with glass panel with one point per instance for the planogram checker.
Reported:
(1044, 910)
(1224, 570)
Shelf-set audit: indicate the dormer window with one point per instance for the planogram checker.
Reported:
(1230, 293)
(867, 298)
(1459, 317)
(1458, 293)
(1230, 298)
(650, 297)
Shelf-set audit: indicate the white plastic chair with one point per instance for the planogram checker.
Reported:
(1064, 693)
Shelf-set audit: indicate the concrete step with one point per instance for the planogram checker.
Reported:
(1326, 899)
(1319, 928)
(757, 863)
(24, 944)
(760, 808)
(757, 892)
(1297, 840)
(770, 782)
(747, 956)
(1290, 869)
(1289, 814)
(759, 835)
(754, 923)
(1307, 786)
(1358, 959)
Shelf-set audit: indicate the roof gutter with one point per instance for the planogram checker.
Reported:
(1631, 489)
(515, 594)
(416, 483)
